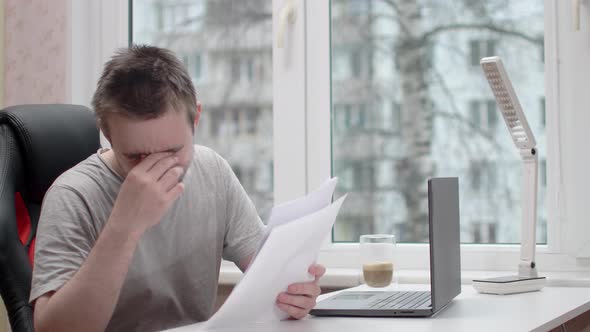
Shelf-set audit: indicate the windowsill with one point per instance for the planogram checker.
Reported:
(344, 278)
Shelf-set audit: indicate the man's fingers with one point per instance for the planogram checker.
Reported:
(162, 166)
(301, 301)
(308, 288)
(148, 162)
(175, 192)
(294, 312)
(317, 270)
(171, 178)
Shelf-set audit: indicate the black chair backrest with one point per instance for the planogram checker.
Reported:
(37, 144)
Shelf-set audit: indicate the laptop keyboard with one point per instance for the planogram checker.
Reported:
(402, 300)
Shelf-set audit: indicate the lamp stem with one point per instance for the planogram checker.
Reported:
(527, 266)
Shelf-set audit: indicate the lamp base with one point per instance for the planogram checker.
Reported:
(509, 285)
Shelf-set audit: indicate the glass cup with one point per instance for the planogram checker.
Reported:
(377, 258)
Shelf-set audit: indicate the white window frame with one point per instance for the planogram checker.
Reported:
(302, 142)
(551, 257)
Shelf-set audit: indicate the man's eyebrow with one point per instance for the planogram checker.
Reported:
(133, 155)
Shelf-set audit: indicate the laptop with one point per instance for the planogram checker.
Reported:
(445, 268)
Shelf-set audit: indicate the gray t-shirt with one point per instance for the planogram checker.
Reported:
(172, 279)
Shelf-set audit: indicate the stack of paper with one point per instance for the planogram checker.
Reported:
(296, 231)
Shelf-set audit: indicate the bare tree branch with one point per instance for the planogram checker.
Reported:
(397, 10)
(473, 26)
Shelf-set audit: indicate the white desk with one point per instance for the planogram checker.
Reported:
(470, 311)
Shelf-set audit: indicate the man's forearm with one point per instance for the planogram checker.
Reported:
(87, 301)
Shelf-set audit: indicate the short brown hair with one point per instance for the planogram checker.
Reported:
(144, 82)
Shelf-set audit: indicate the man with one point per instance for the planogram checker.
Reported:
(131, 239)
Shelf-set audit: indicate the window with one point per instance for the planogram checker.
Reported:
(484, 114)
(242, 69)
(543, 172)
(542, 113)
(484, 232)
(250, 70)
(356, 63)
(476, 175)
(209, 36)
(216, 122)
(251, 121)
(480, 49)
(195, 68)
(396, 117)
(518, 32)
(482, 176)
(493, 112)
(450, 119)
(236, 69)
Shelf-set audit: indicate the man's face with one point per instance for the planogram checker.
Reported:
(134, 139)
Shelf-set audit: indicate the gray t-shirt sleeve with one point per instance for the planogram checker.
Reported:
(243, 229)
(64, 240)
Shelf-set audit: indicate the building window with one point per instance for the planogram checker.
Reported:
(483, 175)
(475, 113)
(484, 232)
(236, 122)
(363, 116)
(542, 112)
(159, 9)
(341, 64)
(542, 48)
(185, 61)
(235, 69)
(196, 66)
(480, 49)
(251, 121)
(493, 111)
(346, 174)
(249, 69)
(356, 63)
(357, 171)
(391, 120)
(347, 116)
(475, 175)
(216, 122)
(242, 69)
(483, 113)
(543, 172)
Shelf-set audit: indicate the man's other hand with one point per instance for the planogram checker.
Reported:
(300, 298)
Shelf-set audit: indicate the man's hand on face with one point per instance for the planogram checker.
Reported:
(148, 191)
(300, 298)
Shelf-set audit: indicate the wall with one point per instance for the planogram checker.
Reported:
(35, 48)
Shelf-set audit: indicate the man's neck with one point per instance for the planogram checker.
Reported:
(109, 158)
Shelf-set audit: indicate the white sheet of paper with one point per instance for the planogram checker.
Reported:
(290, 249)
(299, 207)
(310, 203)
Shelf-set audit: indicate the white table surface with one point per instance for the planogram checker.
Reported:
(470, 311)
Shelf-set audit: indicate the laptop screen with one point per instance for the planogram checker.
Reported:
(445, 255)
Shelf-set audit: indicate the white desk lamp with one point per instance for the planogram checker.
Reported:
(527, 279)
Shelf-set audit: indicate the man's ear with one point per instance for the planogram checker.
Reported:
(197, 115)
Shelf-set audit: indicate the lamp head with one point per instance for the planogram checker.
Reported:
(508, 103)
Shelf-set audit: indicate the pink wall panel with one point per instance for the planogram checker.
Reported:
(35, 45)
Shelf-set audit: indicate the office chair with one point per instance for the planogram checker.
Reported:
(37, 144)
